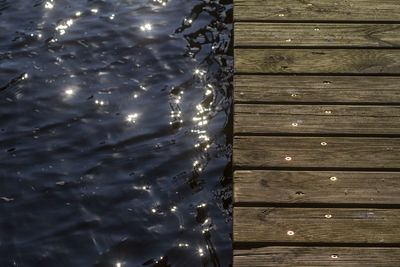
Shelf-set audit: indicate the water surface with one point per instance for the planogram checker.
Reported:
(115, 138)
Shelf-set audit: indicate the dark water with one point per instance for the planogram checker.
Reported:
(114, 133)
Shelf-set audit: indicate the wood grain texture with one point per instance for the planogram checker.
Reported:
(270, 186)
(320, 10)
(332, 68)
(278, 256)
(316, 225)
(316, 119)
(339, 152)
(316, 34)
(328, 89)
(341, 61)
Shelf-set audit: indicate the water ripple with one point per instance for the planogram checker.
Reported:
(115, 133)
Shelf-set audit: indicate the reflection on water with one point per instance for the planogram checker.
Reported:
(146, 27)
(114, 133)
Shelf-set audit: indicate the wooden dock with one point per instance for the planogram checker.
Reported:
(316, 133)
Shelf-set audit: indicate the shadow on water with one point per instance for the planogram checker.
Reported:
(115, 133)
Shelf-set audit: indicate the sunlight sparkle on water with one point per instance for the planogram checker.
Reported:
(132, 117)
(163, 2)
(99, 102)
(199, 72)
(49, 5)
(62, 27)
(201, 252)
(205, 137)
(146, 27)
(69, 91)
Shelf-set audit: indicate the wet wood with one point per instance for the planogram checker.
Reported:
(341, 61)
(316, 225)
(316, 187)
(318, 10)
(317, 89)
(316, 152)
(317, 34)
(316, 119)
(279, 256)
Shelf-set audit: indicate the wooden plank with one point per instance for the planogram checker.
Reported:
(316, 119)
(320, 10)
(316, 34)
(333, 152)
(271, 186)
(316, 89)
(278, 256)
(341, 61)
(316, 225)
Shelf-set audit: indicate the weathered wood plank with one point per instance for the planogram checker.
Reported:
(328, 187)
(321, 10)
(341, 61)
(316, 119)
(329, 89)
(333, 152)
(278, 256)
(323, 48)
(316, 34)
(319, 225)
